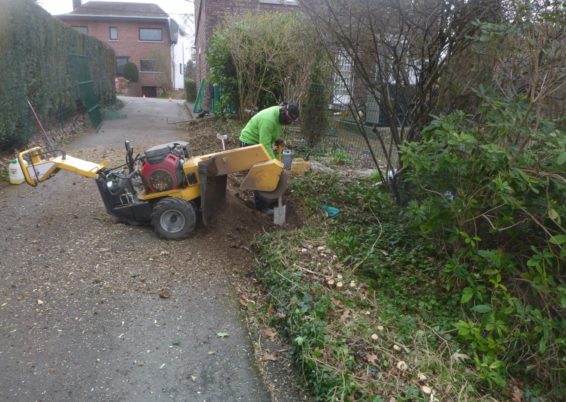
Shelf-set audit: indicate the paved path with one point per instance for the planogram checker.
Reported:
(91, 310)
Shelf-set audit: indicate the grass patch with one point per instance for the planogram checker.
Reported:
(360, 300)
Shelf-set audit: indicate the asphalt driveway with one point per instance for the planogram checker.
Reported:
(93, 310)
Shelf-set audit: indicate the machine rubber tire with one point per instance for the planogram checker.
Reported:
(173, 218)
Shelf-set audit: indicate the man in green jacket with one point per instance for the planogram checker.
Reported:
(265, 128)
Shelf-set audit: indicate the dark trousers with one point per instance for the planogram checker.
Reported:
(259, 202)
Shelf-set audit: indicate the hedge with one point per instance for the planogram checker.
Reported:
(190, 90)
(35, 52)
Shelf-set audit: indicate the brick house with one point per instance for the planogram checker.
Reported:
(211, 13)
(140, 33)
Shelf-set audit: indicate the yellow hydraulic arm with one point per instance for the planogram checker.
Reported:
(39, 164)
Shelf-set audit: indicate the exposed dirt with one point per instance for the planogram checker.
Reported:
(83, 300)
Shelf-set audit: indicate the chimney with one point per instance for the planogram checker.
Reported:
(76, 4)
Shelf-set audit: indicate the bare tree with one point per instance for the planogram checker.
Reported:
(399, 50)
(162, 65)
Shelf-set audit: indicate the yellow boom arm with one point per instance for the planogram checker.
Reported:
(39, 165)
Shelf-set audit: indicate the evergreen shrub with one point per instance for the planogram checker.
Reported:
(131, 72)
(35, 53)
(190, 90)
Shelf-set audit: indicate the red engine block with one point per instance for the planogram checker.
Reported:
(162, 169)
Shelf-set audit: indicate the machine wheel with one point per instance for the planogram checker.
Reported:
(173, 219)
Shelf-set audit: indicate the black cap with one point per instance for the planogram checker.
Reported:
(293, 110)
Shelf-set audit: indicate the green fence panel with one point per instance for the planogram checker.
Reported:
(80, 70)
(198, 101)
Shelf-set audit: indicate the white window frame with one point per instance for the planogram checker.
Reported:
(140, 29)
(345, 64)
(110, 33)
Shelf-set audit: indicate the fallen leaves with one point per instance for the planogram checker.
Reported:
(345, 317)
(270, 333)
(371, 358)
(516, 394)
(459, 357)
(269, 357)
(426, 390)
(222, 334)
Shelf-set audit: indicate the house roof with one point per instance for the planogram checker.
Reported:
(115, 9)
(120, 11)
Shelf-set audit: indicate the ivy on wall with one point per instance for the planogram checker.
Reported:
(35, 53)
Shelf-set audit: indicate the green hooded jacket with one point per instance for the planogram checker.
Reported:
(263, 128)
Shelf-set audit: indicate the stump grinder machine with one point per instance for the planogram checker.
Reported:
(165, 186)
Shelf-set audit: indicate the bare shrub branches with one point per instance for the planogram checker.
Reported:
(399, 50)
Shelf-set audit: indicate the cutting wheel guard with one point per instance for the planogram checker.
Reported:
(212, 189)
(213, 182)
(279, 190)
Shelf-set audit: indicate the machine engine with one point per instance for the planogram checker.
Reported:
(161, 167)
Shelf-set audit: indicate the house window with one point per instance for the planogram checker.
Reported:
(113, 33)
(83, 30)
(151, 34)
(149, 66)
(121, 61)
(341, 84)
(286, 2)
(181, 68)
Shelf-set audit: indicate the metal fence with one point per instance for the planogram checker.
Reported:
(341, 143)
(85, 87)
(344, 143)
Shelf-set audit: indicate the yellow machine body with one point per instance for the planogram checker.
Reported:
(263, 172)
(205, 180)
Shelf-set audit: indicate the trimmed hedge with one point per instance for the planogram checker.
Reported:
(190, 90)
(35, 51)
(131, 72)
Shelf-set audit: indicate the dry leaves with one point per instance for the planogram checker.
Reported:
(270, 333)
(268, 357)
(459, 357)
(516, 394)
(371, 358)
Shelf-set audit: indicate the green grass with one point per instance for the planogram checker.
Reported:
(359, 299)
